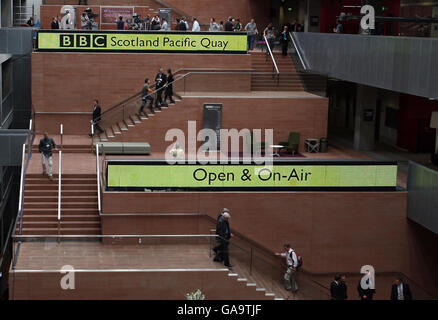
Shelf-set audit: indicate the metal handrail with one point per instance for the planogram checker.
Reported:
(60, 180)
(178, 77)
(297, 51)
(124, 102)
(24, 166)
(99, 205)
(272, 56)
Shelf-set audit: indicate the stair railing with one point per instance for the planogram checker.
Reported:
(60, 182)
(298, 51)
(24, 165)
(121, 106)
(274, 64)
(99, 204)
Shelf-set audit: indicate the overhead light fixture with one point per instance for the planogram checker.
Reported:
(289, 9)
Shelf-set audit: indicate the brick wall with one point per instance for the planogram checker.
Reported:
(68, 82)
(305, 115)
(333, 231)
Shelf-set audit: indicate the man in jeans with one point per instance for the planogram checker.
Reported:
(251, 28)
(45, 147)
(292, 263)
(145, 96)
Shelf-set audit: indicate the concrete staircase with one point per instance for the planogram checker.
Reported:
(79, 212)
(119, 127)
(67, 148)
(289, 78)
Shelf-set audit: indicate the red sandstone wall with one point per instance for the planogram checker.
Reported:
(333, 231)
(305, 115)
(216, 285)
(68, 82)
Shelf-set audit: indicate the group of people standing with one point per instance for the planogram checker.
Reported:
(155, 23)
(338, 289)
(163, 83)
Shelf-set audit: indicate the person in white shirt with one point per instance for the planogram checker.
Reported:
(292, 263)
(196, 26)
(400, 290)
(177, 152)
(213, 25)
(164, 25)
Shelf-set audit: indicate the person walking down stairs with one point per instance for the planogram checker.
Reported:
(45, 147)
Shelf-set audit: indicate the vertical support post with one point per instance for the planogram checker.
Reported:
(29, 147)
(92, 135)
(59, 193)
(250, 262)
(98, 178)
(61, 132)
(20, 203)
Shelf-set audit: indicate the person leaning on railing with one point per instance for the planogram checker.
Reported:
(292, 263)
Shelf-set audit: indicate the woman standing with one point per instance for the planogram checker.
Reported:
(169, 88)
(238, 26)
(284, 41)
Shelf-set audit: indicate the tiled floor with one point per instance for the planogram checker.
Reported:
(252, 94)
(95, 255)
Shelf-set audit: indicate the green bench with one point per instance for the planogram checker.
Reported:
(143, 148)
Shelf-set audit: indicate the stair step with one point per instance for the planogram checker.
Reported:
(64, 175)
(65, 224)
(65, 180)
(50, 205)
(260, 289)
(54, 217)
(63, 231)
(54, 186)
(64, 199)
(65, 211)
(53, 193)
(269, 294)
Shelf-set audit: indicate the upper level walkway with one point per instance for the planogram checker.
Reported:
(402, 64)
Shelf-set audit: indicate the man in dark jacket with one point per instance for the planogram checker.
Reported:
(96, 117)
(223, 233)
(146, 96)
(343, 287)
(160, 81)
(120, 23)
(218, 256)
(229, 24)
(45, 147)
(400, 290)
(338, 288)
(334, 288)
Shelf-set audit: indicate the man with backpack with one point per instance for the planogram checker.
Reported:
(294, 262)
